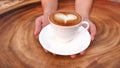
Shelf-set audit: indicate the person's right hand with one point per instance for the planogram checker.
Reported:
(40, 22)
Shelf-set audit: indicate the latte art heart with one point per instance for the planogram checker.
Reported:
(65, 18)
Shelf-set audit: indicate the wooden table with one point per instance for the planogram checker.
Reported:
(19, 48)
(13, 4)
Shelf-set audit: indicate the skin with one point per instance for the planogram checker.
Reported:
(49, 6)
(83, 7)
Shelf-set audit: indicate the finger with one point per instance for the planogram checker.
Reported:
(93, 35)
(54, 54)
(46, 22)
(38, 26)
(46, 50)
(92, 32)
(82, 53)
(73, 56)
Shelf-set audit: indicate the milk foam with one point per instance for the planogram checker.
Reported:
(65, 18)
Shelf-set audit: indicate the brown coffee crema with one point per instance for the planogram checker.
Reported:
(68, 22)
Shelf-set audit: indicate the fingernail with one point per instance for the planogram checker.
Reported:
(73, 56)
(46, 50)
(82, 53)
(54, 54)
(36, 33)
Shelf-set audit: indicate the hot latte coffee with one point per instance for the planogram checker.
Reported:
(65, 18)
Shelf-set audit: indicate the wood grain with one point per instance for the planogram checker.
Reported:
(13, 4)
(7, 3)
(19, 48)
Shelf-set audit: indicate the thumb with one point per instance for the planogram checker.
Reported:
(38, 26)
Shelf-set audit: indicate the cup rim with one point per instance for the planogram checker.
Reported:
(65, 12)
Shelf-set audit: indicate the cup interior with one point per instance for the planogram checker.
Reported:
(63, 18)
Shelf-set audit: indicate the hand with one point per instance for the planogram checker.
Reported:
(92, 29)
(40, 22)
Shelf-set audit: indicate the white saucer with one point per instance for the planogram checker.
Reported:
(50, 42)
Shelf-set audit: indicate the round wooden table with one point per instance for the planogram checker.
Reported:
(20, 48)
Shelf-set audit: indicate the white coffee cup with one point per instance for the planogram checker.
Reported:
(67, 33)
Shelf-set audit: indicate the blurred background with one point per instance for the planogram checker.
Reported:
(6, 4)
